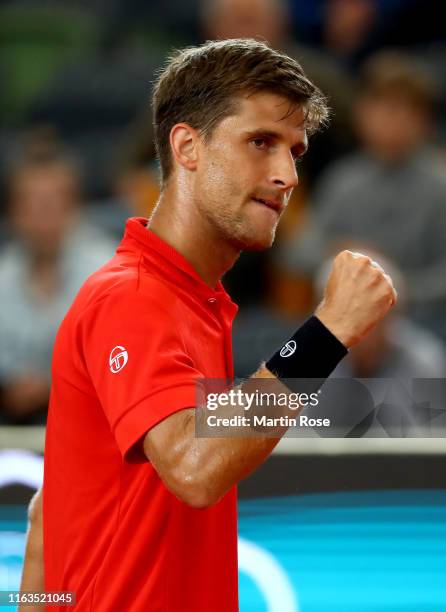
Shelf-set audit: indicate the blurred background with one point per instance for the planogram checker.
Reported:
(77, 159)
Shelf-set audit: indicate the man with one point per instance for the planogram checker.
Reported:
(139, 513)
(51, 253)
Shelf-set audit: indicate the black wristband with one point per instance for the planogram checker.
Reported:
(311, 353)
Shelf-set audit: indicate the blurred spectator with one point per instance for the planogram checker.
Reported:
(391, 194)
(50, 254)
(391, 356)
(389, 360)
(265, 19)
(347, 28)
(397, 348)
(135, 194)
(135, 186)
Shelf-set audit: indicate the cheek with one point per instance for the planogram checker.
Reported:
(222, 176)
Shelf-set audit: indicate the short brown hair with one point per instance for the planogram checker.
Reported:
(394, 74)
(199, 86)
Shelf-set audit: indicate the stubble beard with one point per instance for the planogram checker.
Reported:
(238, 231)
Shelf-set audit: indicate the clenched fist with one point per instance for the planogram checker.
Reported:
(358, 294)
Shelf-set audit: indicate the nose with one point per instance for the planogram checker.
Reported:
(285, 174)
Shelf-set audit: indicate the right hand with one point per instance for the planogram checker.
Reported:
(357, 296)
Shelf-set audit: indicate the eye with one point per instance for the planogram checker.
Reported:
(259, 143)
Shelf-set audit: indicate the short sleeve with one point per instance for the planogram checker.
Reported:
(136, 359)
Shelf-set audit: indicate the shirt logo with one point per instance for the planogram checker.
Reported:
(288, 349)
(118, 359)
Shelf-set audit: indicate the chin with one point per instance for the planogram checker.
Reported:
(257, 242)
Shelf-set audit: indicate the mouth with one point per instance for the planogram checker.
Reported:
(273, 204)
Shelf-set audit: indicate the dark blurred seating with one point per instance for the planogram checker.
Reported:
(35, 44)
(92, 107)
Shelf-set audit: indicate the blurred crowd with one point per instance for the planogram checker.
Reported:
(77, 159)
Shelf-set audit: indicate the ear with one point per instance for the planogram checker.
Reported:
(183, 143)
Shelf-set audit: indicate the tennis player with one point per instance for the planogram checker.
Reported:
(139, 514)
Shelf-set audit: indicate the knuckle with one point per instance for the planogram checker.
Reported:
(376, 276)
(389, 280)
(343, 256)
(364, 261)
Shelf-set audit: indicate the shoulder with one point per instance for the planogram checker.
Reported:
(124, 292)
(428, 168)
(423, 352)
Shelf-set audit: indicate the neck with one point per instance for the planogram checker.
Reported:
(178, 222)
(44, 277)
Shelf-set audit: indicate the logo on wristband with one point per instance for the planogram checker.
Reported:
(288, 349)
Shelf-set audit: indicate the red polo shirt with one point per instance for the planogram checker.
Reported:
(141, 331)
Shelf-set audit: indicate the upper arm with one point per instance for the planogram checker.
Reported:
(138, 364)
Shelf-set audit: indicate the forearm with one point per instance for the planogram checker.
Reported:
(201, 470)
(204, 462)
(219, 462)
(33, 569)
(222, 462)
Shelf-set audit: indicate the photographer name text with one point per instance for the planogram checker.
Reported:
(264, 421)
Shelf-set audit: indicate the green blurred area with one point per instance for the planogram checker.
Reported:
(35, 44)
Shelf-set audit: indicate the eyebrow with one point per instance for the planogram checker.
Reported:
(300, 148)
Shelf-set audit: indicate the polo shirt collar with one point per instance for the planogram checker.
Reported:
(151, 244)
